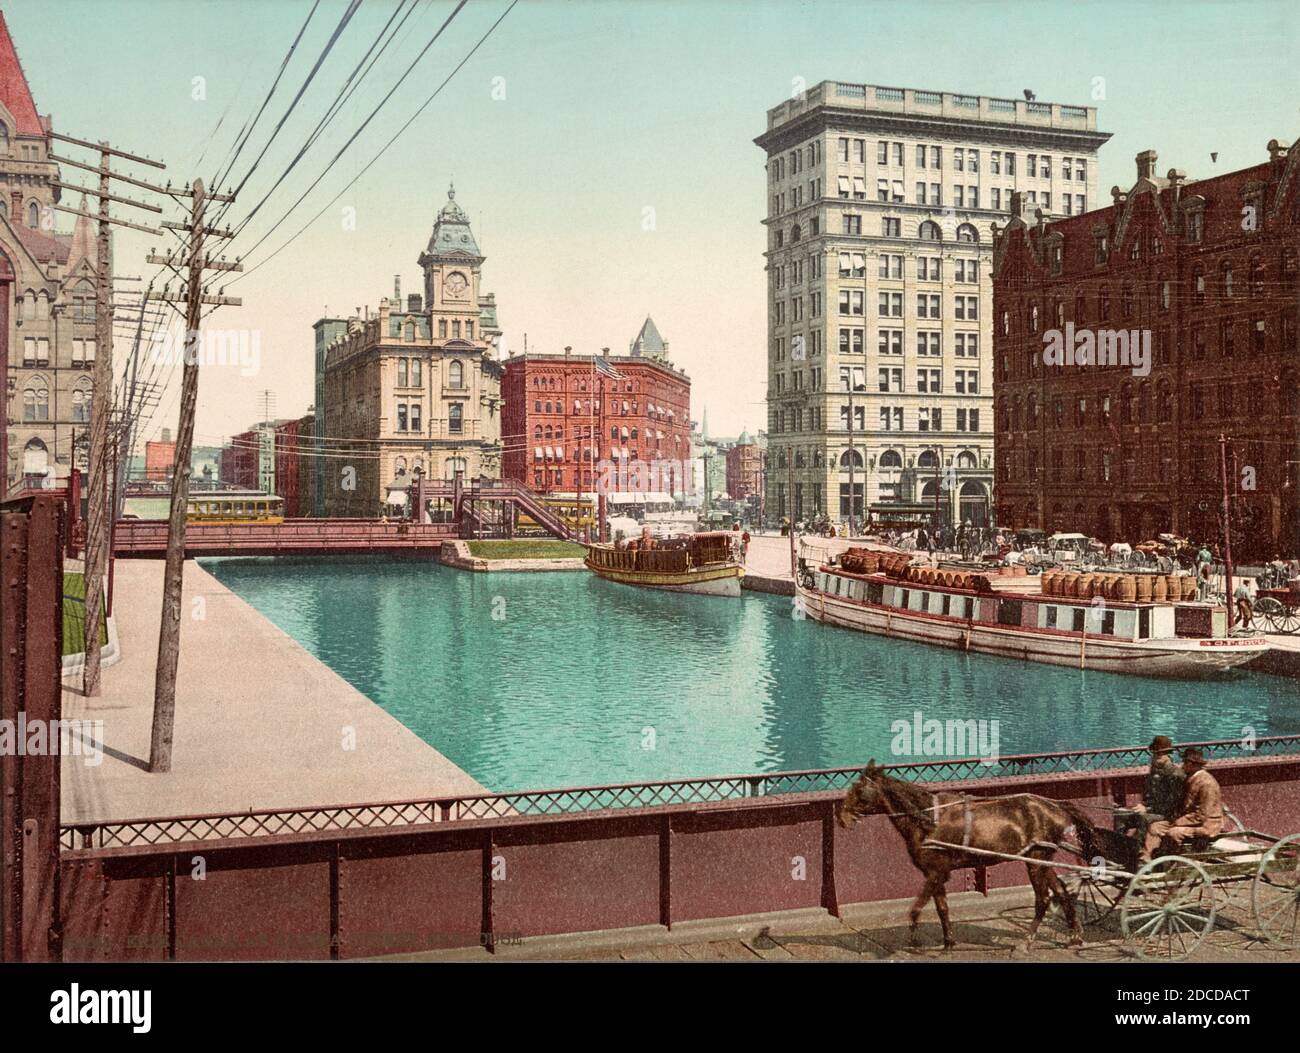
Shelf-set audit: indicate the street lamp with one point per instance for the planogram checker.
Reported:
(416, 512)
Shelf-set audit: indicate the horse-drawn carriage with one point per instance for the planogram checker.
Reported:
(1166, 907)
(1279, 609)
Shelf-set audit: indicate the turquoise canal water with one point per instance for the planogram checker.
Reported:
(543, 680)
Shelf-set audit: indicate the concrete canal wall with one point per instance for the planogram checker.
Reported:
(260, 722)
(457, 554)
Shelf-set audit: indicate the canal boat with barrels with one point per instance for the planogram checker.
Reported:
(1141, 624)
(702, 563)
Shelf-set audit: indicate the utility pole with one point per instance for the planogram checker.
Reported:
(101, 399)
(194, 299)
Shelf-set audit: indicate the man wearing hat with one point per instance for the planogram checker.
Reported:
(1162, 796)
(1201, 814)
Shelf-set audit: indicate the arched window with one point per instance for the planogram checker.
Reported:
(456, 376)
(928, 459)
(550, 434)
(929, 231)
(537, 432)
(33, 215)
(966, 459)
(36, 399)
(613, 433)
(455, 418)
(4, 137)
(399, 466)
(81, 401)
(42, 305)
(851, 459)
(795, 233)
(1198, 284)
(1225, 279)
(36, 459)
(967, 234)
(1144, 402)
(1256, 276)
(454, 465)
(1164, 403)
(410, 332)
(1031, 410)
(891, 459)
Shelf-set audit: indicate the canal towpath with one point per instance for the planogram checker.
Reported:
(260, 722)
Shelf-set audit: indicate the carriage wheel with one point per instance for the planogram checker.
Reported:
(1168, 909)
(1288, 621)
(1271, 612)
(1094, 900)
(1275, 894)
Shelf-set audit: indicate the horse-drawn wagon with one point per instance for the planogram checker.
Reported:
(1166, 907)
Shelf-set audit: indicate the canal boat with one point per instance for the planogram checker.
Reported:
(700, 563)
(1112, 622)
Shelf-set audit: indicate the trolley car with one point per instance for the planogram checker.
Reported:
(235, 507)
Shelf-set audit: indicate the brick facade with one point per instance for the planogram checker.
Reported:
(1209, 269)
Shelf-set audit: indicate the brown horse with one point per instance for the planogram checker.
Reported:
(1022, 824)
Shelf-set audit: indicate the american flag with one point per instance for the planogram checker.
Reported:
(603, 365)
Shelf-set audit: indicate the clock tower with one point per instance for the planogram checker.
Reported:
(451, 264)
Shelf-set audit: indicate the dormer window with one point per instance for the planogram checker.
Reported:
(1195, 225)
(1103, 248)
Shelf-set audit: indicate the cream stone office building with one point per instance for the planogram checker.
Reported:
(880, 203)
(415, 384)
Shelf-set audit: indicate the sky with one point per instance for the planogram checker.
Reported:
(567, 126)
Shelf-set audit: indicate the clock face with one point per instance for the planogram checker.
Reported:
(456, 284)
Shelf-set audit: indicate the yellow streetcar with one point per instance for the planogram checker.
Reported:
(235, 507)
(575, 514)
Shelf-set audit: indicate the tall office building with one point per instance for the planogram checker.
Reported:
(879, 249)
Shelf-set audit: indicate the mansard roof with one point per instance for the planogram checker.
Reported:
(14, 91)
(451, 232)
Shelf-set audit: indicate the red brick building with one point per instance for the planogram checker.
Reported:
(562, 416)
(1207, 271)
(159, 460)
(746, 464)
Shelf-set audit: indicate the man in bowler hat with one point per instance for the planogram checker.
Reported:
(1201, 813)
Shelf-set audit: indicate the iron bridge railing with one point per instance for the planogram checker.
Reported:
(587, 799)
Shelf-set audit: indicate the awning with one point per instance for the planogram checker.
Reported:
(537, 453)
(624, 433)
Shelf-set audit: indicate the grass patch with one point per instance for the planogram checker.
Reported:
(74, 615)
(531, 549)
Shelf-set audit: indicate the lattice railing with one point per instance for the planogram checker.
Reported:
(588, 799)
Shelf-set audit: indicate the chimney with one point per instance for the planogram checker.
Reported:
(1019, 203)
(1277, 154)
(413, 302)
(1176, 177)
(397, 289)
(1146, 162)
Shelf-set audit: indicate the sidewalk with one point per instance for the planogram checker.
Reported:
(260, 723)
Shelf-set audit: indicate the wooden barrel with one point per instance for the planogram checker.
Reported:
(1159, 588)
(1127, 590)
(1189, 587)
(1083, 586)
(1143, 582)
(1046, 581)
(1110, 583)
(1066, 582)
